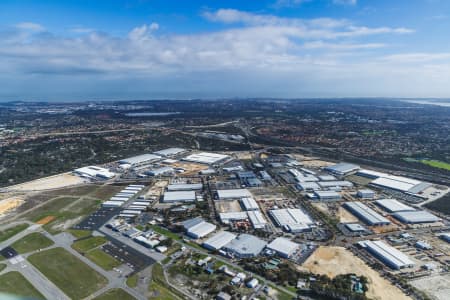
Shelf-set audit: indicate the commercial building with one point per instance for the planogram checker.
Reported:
(200, 230)
(248, 178)
(355, 227)
(387, 254)
(392, 205)
(233, 194)
(308, 186)
(342, 169)
(169, 152)
(301, 177)
(283, 247)
(257, 219)
(291, 219)
(206, 158)
(218, 240)
(416, 217)
(94, 172)
(328, 195)
(366, 214)
(185, 187)
(365, 194)
(228, 217)
(335, 184)
(249, 203)
(140, 160)
(245, 245)
(183, 196)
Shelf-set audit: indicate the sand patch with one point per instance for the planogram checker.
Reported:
(45, 220)
(9, 204)
(48, 183)
(333, 261)
(346, 217)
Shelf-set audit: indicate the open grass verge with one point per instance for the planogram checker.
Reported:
(166, 232)
(115, 294)
(436, 164)
(12, 231)
(72, 276)
(32, 242)
(14, 283)
(159, 286)
(133, 280)
(103, 259)
(79, 233)
(2, 267)
(89, 243)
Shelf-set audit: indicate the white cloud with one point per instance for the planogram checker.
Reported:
(345, 2)
(30, 26)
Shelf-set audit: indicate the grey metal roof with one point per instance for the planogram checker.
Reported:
(418, 216)
(366, 214)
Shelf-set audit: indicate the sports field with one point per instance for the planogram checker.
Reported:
(72, 276)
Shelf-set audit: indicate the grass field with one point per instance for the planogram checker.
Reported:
(103, 259)
(2, 267)
(14, 283)
(436, 164)
(159, 287)
(79, 233)
(12, 231)
(72, 276)
(87, 244)
(132, 280)
(32, 242)
(115, 294)
(166, 232)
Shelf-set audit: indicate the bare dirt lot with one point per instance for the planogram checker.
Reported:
(227, 206)
(10, 203)
(346, 217)
(333, 261)
(437, 287)
(48, 183)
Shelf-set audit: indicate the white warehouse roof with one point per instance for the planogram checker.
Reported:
(342, 168)
(184, 187)
(233, 194)
(283, 246)
(140, 159)
(365, 213)
(416, 216)
(219, 240)
(94, 171)
(392, 205)
(389, 255)
(169, 151)
(249, 203)
(290, 216)
(206, 158)
(184, 196)
(226, 217)
(201, 229)
(257, 219)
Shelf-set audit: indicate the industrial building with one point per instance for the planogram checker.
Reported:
(94, 172)
(392, 205)
(291, 219)
(257, 219)
(228, 217)
(308, 186)
(355, 227)
(366, 214)
(233, 194)
(283, 247)
(245, 245)
(159, 171)
(265, 176)
(416, 217)
(335, 184)
(365, 194)
(180, 196)
(300, 177)
(328, 195)
(206, 158)
(218, 240)
(185, 187)
(387, 254)
(445, 236)
(169, 152)
(140, 160)
(198, 228)
(342, 169)
(249, 203)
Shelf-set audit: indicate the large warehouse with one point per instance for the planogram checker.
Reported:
(366, 214)
(392, 205)
(245, 245)
(94, 172)
(227, 217)
(342, 169)
(283, 247)
(233, 194)
(169, 152)
(198, 228)
(416, 217)
(291, 219)
(249, 203)
(387, 254)
(185, 187)
(219, 240)
(140, 160)
(206, 158)
(257, 219)
(328, 195)
(183, 196)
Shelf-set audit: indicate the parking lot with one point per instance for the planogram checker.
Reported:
(133, 258)
(97, 219)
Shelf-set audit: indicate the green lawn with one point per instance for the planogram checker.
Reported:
(14, 283)
(115, 294)
(72, 276)
(32, 242)
(87, 244)
(79, 233)
(166, 232)
(159, 287)
(132, 280)
(12, 231)
(2, 267)
(436, 164)
(103, 259)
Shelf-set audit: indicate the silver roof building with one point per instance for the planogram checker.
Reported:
(416, 217)
(140, 159)
(392, 205)
(219, 240)
(169, 151)
(245, 245)
(342, 168)
(387, 254)
(183, 196)
(366, 214)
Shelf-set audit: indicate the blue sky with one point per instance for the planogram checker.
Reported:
(150, 49)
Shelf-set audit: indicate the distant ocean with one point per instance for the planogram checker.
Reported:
(445, 103)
